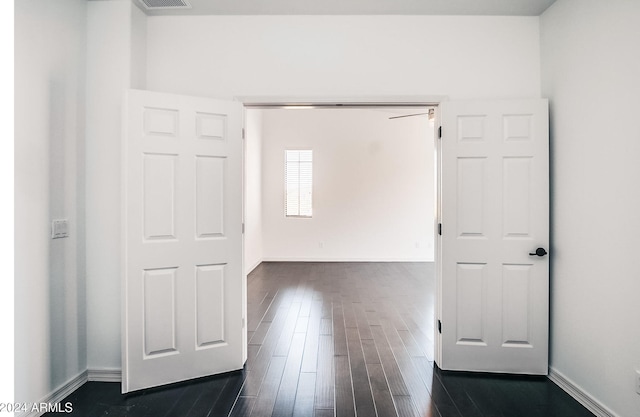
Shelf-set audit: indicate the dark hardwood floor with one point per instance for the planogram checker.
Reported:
(338, 339)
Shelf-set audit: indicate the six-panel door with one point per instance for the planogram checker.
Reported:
(494, 213)
(182, 215)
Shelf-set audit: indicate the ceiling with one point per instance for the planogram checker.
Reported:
(358, 7)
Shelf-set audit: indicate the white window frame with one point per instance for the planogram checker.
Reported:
(300, 187)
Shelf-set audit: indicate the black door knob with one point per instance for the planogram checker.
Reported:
(539, 252)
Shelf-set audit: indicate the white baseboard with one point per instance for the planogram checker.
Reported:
(58, 394)
(104, 375)
(574, 390)
(277, 259)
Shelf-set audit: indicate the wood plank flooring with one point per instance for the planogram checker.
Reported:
(338, 339)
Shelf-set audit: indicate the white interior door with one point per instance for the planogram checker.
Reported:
(182, 260)
(494, 208)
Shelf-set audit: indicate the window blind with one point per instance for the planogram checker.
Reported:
(298, 183)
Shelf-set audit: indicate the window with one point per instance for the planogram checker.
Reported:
(298, 167)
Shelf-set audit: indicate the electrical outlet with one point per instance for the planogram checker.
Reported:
(59, 228)
(638, 382)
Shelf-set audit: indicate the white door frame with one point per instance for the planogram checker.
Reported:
(284, 102)
(437, 257)
(339, 101)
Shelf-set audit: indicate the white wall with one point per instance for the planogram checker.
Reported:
(373, 186)
(50, 344)
(590, 67)
(589, 71)
(138, 48)
(462, 57)
(114, 46)
(253, 190)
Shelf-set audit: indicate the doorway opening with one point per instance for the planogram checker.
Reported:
(373, 186)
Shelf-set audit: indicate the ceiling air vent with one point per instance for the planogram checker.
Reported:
(165, 4)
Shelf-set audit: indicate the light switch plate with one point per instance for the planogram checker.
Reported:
(59, 228)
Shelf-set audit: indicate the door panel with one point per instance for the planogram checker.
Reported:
(471, 210)
(182, 216)
(158, 189)
(471, 286)
(159, 300)
(516, 305)
(210, 305)
(494, 210)
(210, 178)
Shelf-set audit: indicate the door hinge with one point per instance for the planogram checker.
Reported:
(440, 132)
(243, 228)
(439, 327)
(440, 229)
(243, 133)
(243, 323)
